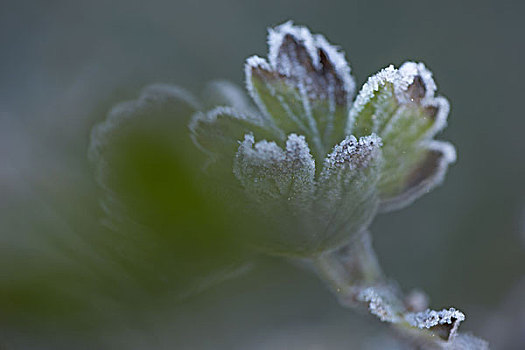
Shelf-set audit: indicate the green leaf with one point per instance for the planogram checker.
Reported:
(281, 185)
(427, 173)
(347, 198)
(304, 88)
(399, 105)
(271, 174)
(172, 232)
(219, 131)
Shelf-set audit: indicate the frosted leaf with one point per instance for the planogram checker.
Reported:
(305, 87)
(219, 131)
(295, 53)
(157, 101)
(379, 98)
(401, 107)
(269, 173)
(152, 97)
(346, 195)
(282, 104)
(155, 122)
(429, 173)
(225, 93)
(375, 102)
(152, 197)
(422, 91)
(352, 154)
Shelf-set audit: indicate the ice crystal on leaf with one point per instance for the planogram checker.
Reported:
(271, 173)
(376, 153)
(319, 165)
(305, 86)
(399, 105)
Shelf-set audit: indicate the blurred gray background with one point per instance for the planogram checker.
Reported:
(64, 63)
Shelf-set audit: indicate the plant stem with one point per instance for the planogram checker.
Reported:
(355, 276)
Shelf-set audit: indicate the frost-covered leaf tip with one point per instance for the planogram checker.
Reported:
(401, 107)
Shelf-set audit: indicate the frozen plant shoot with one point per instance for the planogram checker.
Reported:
(316, 162)
(320, 164)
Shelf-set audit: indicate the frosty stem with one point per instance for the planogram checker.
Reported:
(355, 276)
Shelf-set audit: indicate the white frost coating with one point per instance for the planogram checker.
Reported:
(315, 75)
(262, 152)
(408, 91)
(352, 153)
(312, 43)
(297, 150)
(381, 303)
(447, 149)
(268, 172)
(261, 63)
(251, 63)
(275, 40)
(347, 184)
(372, 85)
(309, 128)
(431, 318)
(341, 65)
(411, 69)
(443, 107)
(378, 305)
(401, 79)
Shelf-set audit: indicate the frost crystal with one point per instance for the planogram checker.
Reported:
(268, 172)
(430, 318)
(305, 87)
(375, 154)
(347, 196)
(294, 52)
(350, 171)
(380, 304)
(352, 153)
(399, 105)
(389, 75)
